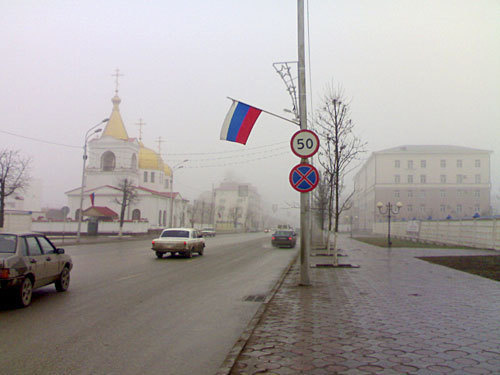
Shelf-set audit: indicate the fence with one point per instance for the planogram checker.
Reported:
(478, 233)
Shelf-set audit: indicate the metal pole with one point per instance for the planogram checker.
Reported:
(305, 234)
(389, 208)
(83, 175)
(171, 200)
(81, 192)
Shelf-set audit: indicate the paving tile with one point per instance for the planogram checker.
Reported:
(396, 314)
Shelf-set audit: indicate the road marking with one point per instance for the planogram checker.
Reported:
(129, 277)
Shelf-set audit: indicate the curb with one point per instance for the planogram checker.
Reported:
(234, 353)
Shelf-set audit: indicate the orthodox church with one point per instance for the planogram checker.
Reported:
(114, 157)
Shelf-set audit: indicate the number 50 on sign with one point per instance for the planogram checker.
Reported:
(304, 143)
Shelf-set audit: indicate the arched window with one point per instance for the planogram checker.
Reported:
(159, 217)
(164, 217)
(134, 162)
(136, 214)
(108, 161)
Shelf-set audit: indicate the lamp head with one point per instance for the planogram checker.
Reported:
(380, 205)
(399, 205)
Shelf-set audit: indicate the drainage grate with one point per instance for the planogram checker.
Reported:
(255, 298)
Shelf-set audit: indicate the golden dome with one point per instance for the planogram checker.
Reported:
(148, 159)
(115, 127)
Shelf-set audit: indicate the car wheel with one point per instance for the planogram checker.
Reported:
(200, 252)
(62, 284)
(159, 254)
(189, 253)
(25, 292)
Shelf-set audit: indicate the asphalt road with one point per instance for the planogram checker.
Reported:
(127, 312)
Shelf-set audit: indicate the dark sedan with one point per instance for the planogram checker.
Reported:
(284, 238)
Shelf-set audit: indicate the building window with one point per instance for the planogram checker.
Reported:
(442, 208)
(442, 193)
(477, 194)
(460, 178)
(422, 208)
(410, 179)
(423, 179)
(159, 217)
(459, 193)
(477, 163)
(397, 163)
(459, 208)
(164, 217)
(397, 179)
(108, 161)
(145, 176)
(410, 208)
(410, 193)
(443, 163)
(396, 193)
(152, 177)
(459, 163)
(422, 193)
(136, 214)
(478, 178)
(133, 162)
(443, 179)
(423, 164)
(410, 164)
(477, 208)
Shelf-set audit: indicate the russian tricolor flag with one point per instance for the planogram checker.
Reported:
(239, 122)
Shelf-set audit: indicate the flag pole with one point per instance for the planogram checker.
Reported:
(263, 110)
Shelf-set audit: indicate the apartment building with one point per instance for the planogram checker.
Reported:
(432, 182)
(237, 207)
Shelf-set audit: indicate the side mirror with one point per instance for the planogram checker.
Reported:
(59, 251)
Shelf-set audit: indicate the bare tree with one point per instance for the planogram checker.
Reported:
(14, 176)
(129, 196)
(339, 148)
(320, 206)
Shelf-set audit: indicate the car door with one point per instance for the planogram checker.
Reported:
(52, 262)
(36, 261)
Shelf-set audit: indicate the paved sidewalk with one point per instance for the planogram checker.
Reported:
(394, 315)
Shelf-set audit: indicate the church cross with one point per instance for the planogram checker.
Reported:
(160, 141)
(140, 124)
(117, 75)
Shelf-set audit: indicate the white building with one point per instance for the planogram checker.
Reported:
(436, 182)
(114, 157)
(237, 207)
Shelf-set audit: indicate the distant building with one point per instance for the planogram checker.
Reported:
(237, 207)
(114, 157)
(435, 182)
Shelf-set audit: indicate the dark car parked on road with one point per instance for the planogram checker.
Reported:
(284, 238)
(29, 261)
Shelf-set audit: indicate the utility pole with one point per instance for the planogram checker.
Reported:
(305, 234)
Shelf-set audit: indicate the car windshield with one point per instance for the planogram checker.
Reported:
(7, 243)
(175, 233)
(283, 233)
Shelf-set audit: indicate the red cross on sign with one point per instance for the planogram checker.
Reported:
(304, 177)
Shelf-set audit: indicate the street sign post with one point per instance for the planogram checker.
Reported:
(304, 143)
(304, 177)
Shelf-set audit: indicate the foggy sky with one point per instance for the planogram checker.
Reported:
(417, 72)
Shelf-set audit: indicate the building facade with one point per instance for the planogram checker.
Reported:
(237, 207)
(113, 158)
(432, 182)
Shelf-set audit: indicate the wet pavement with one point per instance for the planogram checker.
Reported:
(396, 314)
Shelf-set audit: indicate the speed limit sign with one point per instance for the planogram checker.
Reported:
(305, 143)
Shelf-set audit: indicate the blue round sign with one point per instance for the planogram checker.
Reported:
(304, 177)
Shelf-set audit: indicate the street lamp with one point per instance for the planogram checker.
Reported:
(389, 209)
(177, 166)
(88, 134)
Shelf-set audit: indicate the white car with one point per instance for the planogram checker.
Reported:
(183, 241)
